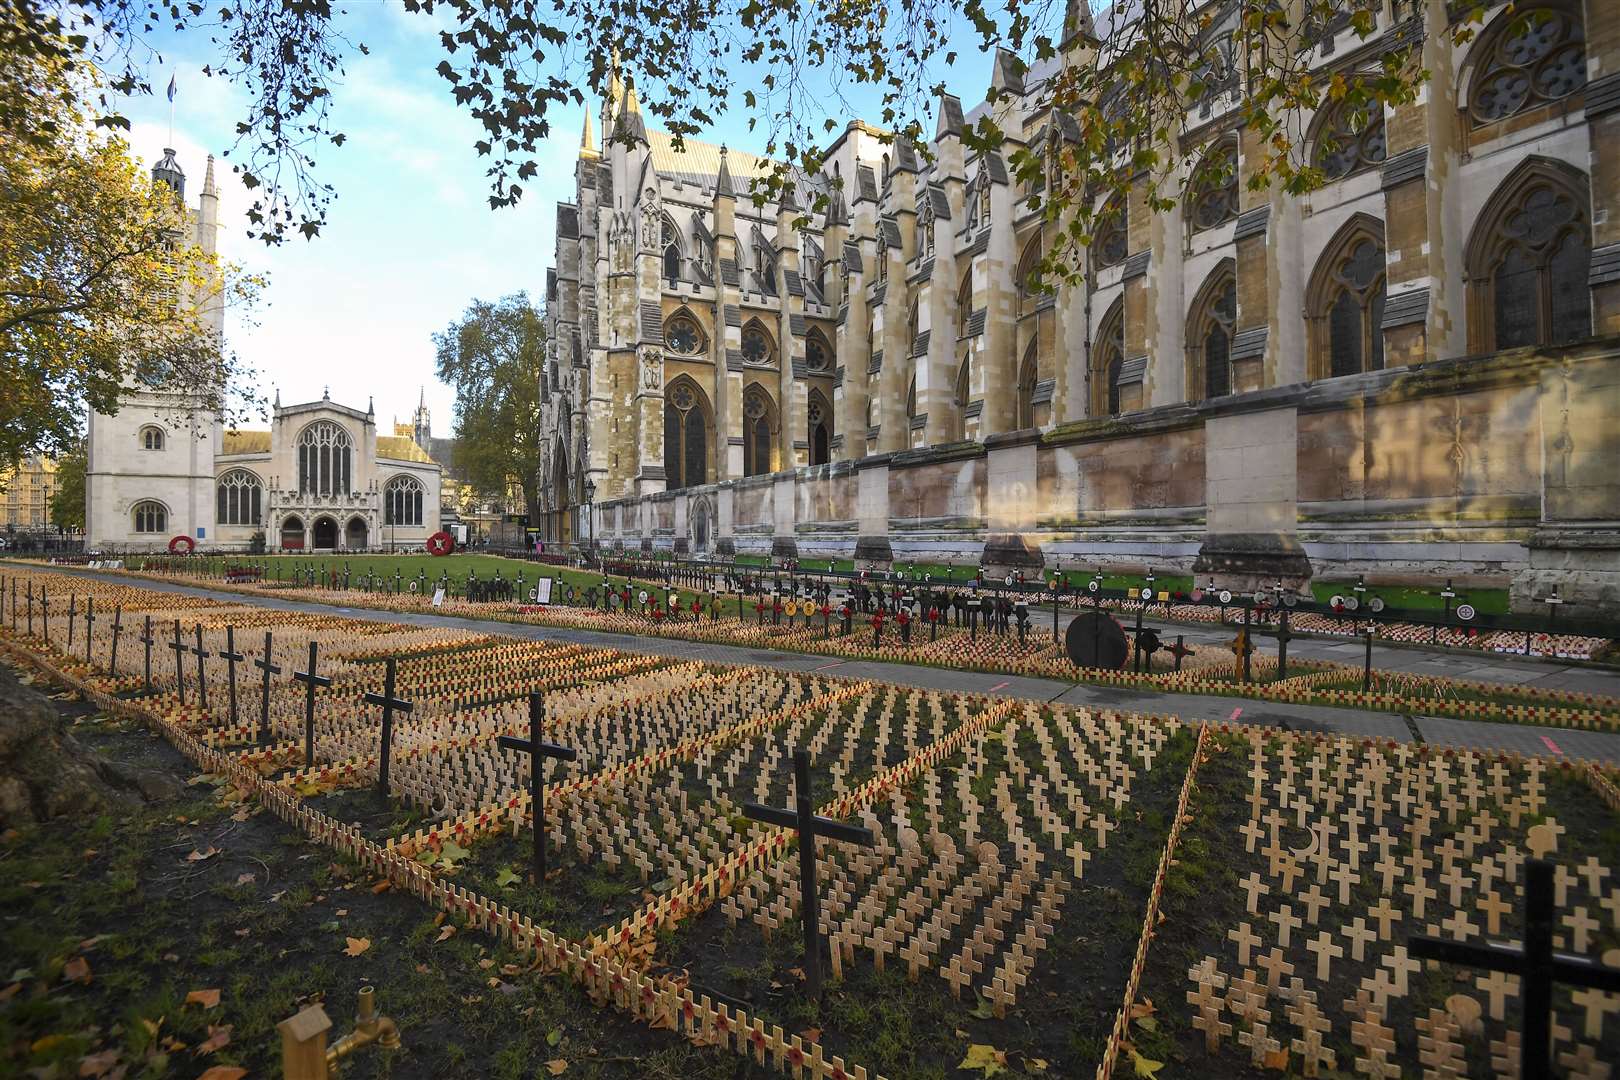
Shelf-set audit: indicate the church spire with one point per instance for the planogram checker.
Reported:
(587, 137)
(722, 183)
(208, 178)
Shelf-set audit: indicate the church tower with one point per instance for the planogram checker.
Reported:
(149, 474)
(422, 421)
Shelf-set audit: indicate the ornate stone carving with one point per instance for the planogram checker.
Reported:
(652, 368)
(652, 221)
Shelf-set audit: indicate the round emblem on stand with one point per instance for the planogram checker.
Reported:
(1093, 585)
(1198, 596)
(642, 596)
(1147, 593)
(1465, 612)
(1375, 605)
(1225, 596)
(1352, 603)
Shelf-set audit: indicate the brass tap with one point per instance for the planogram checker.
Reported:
(369, 1028)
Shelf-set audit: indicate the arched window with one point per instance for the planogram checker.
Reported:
(818, 355)
(765, 269)
(239, 498)
(325, 460)
(1107, 361)
(885, 172)
(1028, 291)
(757, 347)
(672, 250)
(402, 501)
(1028, 374)
(913, 326)
(1527, 58)
(820, 417)
(925, 232)
(964, 304)
(152, 437)
(686, 435)
(759, 429)
(1209, 336)
(682, 335)
(1529, 259)
(911, 399)
(1112, 243)
(882, 259)
(1345, 303)
(1349, 138)
(1213, 197)
(150, 517)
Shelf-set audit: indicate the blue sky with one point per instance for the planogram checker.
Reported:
(411, 238)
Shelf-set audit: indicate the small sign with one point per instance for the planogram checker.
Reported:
(1261, 598)
(1465, 612)
(1164, 594)
(1010, 579)
(1147, 592)
(438, 596)
(542, 591)
(642, 596)
(1225, 596)
(1198, 596)
(1376, 604)
(1093, 585)
(1352, 603)
(1336, 601)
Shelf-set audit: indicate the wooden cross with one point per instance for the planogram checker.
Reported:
(389, 703)
(1536, 964)
(178, 647)
(73, 614)
(202, 679)
(310, 681)
(803, 818)
(270, 668)
(231, 658)
(89, 625)
(118, 629)
(537, 749)
(148, 641)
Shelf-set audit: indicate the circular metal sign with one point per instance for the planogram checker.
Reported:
(1093, 585)
(1226, 596)
(1261, 598)
(1198, 596)
(1147, 593)
(642, 596)
(1290, 600)
(1376, 604)
(1336, 601)
(1465, 612)
(1352, 603)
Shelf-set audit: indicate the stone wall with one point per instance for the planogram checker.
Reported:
(1498, 471)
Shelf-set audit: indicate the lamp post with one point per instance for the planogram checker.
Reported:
(590, 513)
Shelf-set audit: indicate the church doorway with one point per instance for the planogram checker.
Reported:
(292, 534)
(325, 533)
(355, 536)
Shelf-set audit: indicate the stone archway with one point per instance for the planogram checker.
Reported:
(292, 533)
(325, 534)
(355, 534)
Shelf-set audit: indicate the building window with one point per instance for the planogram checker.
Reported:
(686, 435)
(1112, 243)
(925, 231)
(325, 460)
(672, 251)
(1213, 199)
(964, 387)
(681, 335)
(1028, 263)
(817, 354)
(1533, 57)
(964, 304)
(239, 498)
(151, 517)
(1345, 303)
(402, 501)
(820, 416)
(1108, 361)
(765, 270)
(1210, 337)
(756, 345)
(1529, 260)
(1350, 139)
(759, 416)
(151, 437)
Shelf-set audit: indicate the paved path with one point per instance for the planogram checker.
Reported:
(1528, 739)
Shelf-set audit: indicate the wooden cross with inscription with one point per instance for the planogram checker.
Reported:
(270, 668)
(118, 629)
(202, 676)
(73, 615)
(389, 703)
(803, 818)
(231, 658)
(1537, 966)
(537, 749)
(178, 647)
(89, 625)
(148, 640)
(310, 681)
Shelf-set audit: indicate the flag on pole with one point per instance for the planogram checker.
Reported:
(171, 87)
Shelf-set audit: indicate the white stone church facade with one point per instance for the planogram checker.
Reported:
(320, 479)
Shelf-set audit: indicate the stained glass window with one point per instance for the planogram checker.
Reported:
(1540, 56)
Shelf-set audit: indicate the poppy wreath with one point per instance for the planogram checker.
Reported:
(441, 543)
(182, 545)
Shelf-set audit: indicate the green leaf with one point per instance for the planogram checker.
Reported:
(507, 877)
(985, 1058)
(554, 1036)
(1146, 1068)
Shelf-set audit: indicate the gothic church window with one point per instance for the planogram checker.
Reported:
(1028, 263)
(1210, 339)
(151, 438)
(756, 345)
(681, 335)
(1346, 304)
(1028, 374)
(686, 436)
(1350, 138)
(1214, 197)
(819, 413)
(325, 460)
(759, 422)
(1112, 242)
(964, 304)
(151, 517)
(1532, 57)
(672, 251)
(402, 501)
(238, 499)
(1108, 361)
(817, 356)
(1529, 260)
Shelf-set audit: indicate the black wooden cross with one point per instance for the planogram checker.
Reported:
(118, 629)
(803, 818)
(178, 647)
(202, 679)
(1537, 966)
(536, 749)
(89, 625)
(310, 681)
(73, 615)
(389, 703)
(45, 614)
(231, 658)
(31, 606)
(148, 641)
(269, 667)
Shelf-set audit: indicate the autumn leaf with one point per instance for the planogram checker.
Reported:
(356, 946)
(554, 1036)
(98, 1064)
(199, 856)
(208, 999)
(446, 933)
(1146, 1068)
(985, 1058)
(219, 1037)
(223, 1072)
(246, 879)
(506, 877)
(77, 970)
(556, 1066)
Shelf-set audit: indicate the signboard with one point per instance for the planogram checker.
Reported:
(542, 591)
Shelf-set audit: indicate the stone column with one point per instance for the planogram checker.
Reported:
(1603, 114)
(872, 549)
(1250, 500)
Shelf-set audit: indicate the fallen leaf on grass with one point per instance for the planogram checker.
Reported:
(983, 1010)
(1146, 1068)
(199, 856)
(77, 970)
(341, 912)
(1034, 1064)
(246, 879)
(506, 877)
(356, 946)
(10, 992)
(811, 1035)
(98, 1064)
(446, 933)
(556, 1066)
(554, 1036)
(219, 1037)
(223, 1072)
(208, 999)
(985, 1058)
(382, 887)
